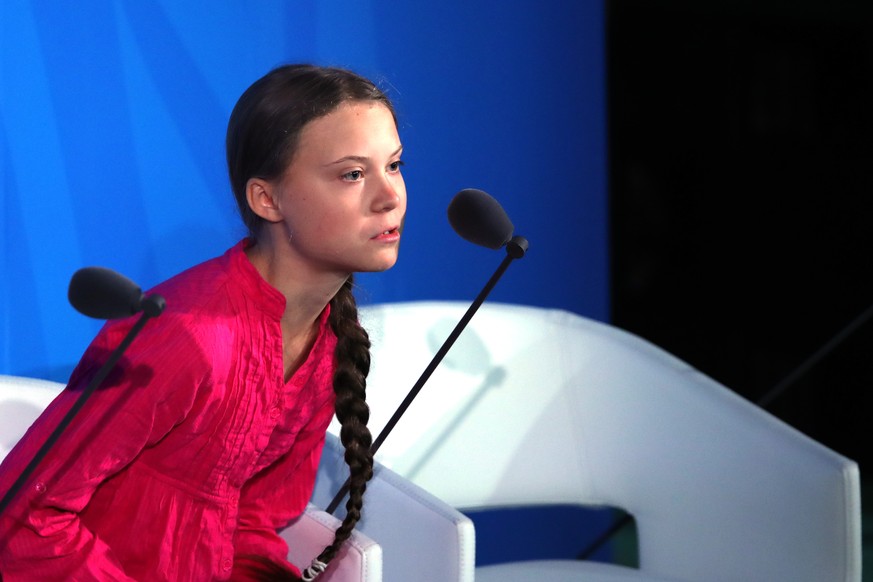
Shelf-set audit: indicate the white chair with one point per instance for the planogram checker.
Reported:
(438, 537)
(537, 406)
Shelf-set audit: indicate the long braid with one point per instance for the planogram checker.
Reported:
(349, 384)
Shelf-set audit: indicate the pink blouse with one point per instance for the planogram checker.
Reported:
(193, 451)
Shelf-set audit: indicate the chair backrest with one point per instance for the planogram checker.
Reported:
(543, 406)
(22, 400)
(415, 530)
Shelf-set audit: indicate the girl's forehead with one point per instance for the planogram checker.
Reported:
(350, 124)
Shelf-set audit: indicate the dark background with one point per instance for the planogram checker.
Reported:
(740, 168)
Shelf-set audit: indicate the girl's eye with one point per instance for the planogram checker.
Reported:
(353, 176)
(395, 166)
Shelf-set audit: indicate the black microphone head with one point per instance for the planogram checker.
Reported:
(477, 217)
(104, 294)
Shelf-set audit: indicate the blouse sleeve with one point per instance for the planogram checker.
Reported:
(279, 494)
(42, 536)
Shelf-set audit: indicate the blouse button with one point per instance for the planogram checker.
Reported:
(274, 412)
(40, 487)
(227, 565)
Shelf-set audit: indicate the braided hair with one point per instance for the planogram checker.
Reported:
(262, 137)
(349, 385)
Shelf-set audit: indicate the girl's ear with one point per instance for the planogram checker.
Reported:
(261, 196)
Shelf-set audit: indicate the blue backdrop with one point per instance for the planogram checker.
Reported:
(112, 118)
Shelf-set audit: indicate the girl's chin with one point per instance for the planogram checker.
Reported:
(379, 266)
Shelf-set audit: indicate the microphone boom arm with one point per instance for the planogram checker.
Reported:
(515, 249)
(152, 306)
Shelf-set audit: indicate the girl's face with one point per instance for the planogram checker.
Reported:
(342, 199)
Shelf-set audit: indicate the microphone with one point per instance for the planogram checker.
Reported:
(477, 218)
(102, 293)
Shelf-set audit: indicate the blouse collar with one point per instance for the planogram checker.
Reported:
(268, 298)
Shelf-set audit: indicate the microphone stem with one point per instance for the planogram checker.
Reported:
(77, 406)
(798, 372)
(515, 249)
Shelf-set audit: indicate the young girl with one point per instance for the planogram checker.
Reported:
(206, 437)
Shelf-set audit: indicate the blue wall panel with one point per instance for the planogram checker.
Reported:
(112, 118)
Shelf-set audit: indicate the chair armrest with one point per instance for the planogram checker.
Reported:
(359, 560)
(417, 532)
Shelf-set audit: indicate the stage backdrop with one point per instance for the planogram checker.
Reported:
(112, 118)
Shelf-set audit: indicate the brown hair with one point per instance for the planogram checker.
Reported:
(264, 127)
